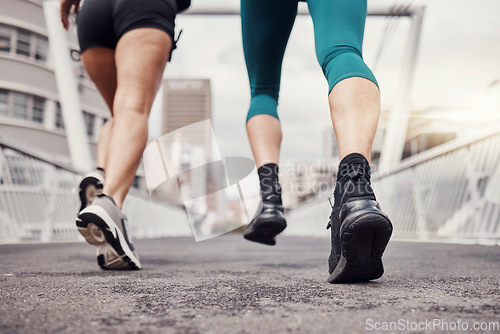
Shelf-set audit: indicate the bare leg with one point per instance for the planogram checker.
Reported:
(100, 66)
(103, 143)
(141, 56)
(264, 134)
(355, 109)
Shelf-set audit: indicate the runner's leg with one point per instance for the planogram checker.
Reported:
(100, 66)
(354, 96)
(266, 26)
(141, 56)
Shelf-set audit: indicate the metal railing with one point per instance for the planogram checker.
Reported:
(449, 193)
(38, 201)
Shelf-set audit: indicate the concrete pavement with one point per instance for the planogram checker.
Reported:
(229, 285)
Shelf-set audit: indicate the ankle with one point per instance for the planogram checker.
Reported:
(353, 180)
(351, 165)
(113, 197)
(270, 188)
(272, 198)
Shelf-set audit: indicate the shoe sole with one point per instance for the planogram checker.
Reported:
(363, 241)
(90, 187)
(99, 230)
(265, 230)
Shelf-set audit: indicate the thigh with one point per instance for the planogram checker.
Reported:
(140, 57)
(337, 23)
(134, 14)
(266, 27)
(100, 66)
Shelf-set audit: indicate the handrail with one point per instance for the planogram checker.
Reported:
(38, 200)
(448, 193)
(225, 9)
(27, 150)
(434, 152)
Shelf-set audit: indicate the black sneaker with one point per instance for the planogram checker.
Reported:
(103, 225)
(360, 232)
(90, 186)
(358, 242)
(267, 223)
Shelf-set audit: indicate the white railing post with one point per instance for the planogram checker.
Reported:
(67, 86)
(394, 141)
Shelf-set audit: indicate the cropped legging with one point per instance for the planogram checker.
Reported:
(266, 25)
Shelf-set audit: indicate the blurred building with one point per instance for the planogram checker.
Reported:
(192, 149)
(30, 112)
(424, 132)
(187, 101)
(437, 125)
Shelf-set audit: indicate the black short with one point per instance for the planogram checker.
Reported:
(101, 23)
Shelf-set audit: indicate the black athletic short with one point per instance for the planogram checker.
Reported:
(101, 23)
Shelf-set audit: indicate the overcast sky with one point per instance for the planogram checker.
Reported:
(458, 60)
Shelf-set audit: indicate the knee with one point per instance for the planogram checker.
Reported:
(344, 61)
(130, 116)
(329, 57)
(131, 103)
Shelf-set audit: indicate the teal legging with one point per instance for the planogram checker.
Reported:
(266, 25)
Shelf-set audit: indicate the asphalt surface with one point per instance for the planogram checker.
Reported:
(229, 285)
